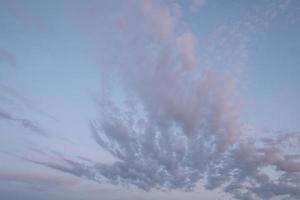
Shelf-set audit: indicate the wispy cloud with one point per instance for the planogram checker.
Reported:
(10, 100)
(186, 45)
(230, 43)
(35, 179)
(26, 123)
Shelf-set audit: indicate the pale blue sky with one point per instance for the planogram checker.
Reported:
(59, 61)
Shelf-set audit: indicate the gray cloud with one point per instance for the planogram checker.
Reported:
(11, 106)
(11, 97)
(26, 123)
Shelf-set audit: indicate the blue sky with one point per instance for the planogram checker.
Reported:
(149, 99)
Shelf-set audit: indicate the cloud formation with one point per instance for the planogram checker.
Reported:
(186, 43)
(26, 123)
(176, 128)
(9, 101)
(159, 18)
(170, 127)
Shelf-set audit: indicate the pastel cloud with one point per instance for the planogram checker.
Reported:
(163, 23)
(186, 44)
(173, 127)
(159, 18)
(178, 128)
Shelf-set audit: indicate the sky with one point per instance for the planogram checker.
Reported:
(149, 99)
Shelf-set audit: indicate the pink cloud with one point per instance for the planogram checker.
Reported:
(160, 19)
(186, 44)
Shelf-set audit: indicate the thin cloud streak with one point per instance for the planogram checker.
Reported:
(25, 123)
(10, 100)
(43, 180)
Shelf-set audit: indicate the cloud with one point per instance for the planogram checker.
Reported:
(12, 97)
(175, 128)
(169, 127)
(244, 172)
(36, 179)
(163, 22)
(9, 100)
(230, 42)
(186, 44)
(26, 123)
(159, 18)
